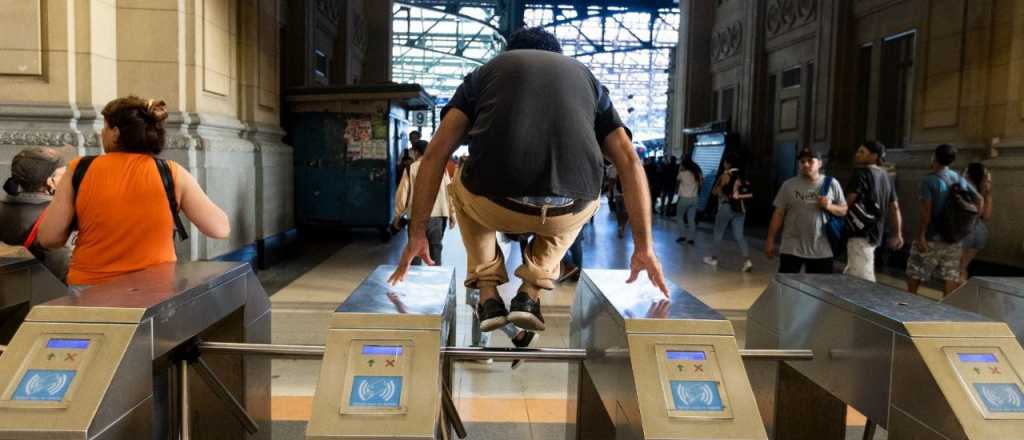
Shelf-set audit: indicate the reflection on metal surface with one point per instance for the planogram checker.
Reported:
(424, 292)
(905, 362)
(999, 298)
(218, 388)
(24, 282)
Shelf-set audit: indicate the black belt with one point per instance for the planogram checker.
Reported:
(577, 206)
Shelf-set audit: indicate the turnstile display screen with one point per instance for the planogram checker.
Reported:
(68, 344)
(987, 358)
(44, 385)
(382, 350)
(686, 355)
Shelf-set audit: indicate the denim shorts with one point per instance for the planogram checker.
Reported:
(976, 239)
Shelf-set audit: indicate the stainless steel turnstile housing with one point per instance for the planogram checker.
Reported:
(24, 282)
(999, 298)
(920, 369)
(99, 365)
(383, 375)
(655, 369)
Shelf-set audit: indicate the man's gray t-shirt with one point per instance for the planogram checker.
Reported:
(802, 234)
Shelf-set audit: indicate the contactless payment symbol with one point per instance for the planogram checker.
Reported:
(376, 391)
(693, 395)
(49, 385)
(1001, 397)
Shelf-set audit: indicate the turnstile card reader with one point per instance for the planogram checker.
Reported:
(383, 374)
(921, 369)
(656, 368)
(24, 282)
(95, 365)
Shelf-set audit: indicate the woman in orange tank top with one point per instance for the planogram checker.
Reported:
(124, 220)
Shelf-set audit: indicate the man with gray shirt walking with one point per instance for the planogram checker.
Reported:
(801, 205)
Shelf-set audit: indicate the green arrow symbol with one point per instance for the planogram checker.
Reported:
(371, 362)
(680, 367)
(50, 357)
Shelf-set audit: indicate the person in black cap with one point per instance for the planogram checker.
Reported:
(871, 199)
(35, 173)
(799, 205)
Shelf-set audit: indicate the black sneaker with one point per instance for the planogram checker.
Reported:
(526, 312)
(523, 342)
(492, 314)
(681, 240)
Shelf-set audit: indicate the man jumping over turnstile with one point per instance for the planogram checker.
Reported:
(539, 126)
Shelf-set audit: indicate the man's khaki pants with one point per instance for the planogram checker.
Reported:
(479, 220)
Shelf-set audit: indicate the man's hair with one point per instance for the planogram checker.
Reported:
(420, 146)
(415, 133)
(533, 38)
(945, 154)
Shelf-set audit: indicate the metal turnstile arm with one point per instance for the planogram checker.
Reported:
(222, 392)
(451, 413)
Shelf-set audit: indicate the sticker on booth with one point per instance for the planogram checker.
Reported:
(696, 395)
(376, 392)
(44, 385)
(1001, 397)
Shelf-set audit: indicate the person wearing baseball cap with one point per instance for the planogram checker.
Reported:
(35, 173)
(872, 199)
(799, 205)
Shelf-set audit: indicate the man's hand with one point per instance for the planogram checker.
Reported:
(896, 242)
(646, 261)
(921, 244)
(417, 247)
(769, 248)
(823, 202)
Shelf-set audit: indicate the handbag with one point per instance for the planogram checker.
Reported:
(834, 227)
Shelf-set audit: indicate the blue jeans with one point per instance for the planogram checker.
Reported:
(687, 210)
(725, 217)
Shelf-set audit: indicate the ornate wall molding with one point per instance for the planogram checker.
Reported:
(44, 138)
(785, 15)
(726, 41)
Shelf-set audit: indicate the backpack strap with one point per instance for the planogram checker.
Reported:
(35, 229)
(825, 187)
(168, 181)
(76, 182)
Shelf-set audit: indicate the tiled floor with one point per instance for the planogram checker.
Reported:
(495, 401)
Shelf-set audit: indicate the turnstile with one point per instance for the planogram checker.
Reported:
(98, 365)
(655, 369)
(999, 298)
(24, 282)
(920, 369)
(383, 375)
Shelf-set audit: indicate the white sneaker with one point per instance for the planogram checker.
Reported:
(748, 266)
(711, 261)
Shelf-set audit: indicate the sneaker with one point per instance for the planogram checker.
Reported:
(526, 312)
(681, 240)
(568, 272)
(748, 266)
(523, 342)
(711, 261)
(492, 314)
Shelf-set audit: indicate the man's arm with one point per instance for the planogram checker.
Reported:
(773, 230)
(837, 209)
(637, 195)
(428, 181)
(897, 224)
(924, 220)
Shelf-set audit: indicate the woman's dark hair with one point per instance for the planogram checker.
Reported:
(691, 166)
(976, 173)
(533, 38)
(31, 168)
(140, 123)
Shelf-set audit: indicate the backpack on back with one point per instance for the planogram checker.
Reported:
(864, 215)
(958, 217)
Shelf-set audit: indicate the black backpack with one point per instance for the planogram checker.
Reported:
(864, 215)
(165, 176)
(959, 216)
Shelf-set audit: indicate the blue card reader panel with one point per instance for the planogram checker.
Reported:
(44, 385)
(376, 392)
(696, 395)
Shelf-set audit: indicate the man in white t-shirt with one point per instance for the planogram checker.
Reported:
(689, 181)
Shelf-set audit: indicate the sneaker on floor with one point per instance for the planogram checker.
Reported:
(525, 312)
(748, 266)
(523, 342)
(711, 261)
(492, 314)
(568, 272)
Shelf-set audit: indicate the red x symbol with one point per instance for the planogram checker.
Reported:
(995, 370)
(389, 363)
(698, 368)
(69, 357)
